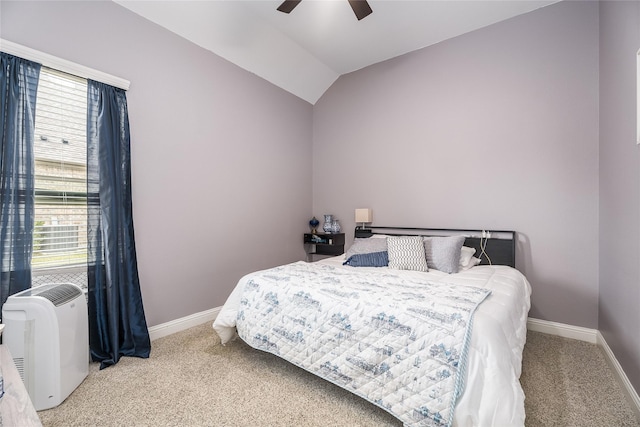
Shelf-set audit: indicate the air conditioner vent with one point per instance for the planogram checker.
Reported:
(57, 293)
(19, 362)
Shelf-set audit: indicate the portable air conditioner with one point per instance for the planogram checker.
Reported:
(46, 331)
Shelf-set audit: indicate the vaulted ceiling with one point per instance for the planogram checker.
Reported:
(305, 51)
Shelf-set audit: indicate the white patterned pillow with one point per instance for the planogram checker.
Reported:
(407, 253)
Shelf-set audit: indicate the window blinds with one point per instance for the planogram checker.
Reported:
(60, 151)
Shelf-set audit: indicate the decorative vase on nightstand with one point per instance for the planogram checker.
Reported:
(328, 219)
(314, 223)
(335, 226)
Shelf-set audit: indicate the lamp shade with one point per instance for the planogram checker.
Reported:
(364, 215)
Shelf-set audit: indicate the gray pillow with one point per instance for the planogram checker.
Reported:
(407, 253)
(443, 253)
(366, 245)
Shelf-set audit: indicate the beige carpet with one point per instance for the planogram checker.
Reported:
(568, 383)
(191, 380)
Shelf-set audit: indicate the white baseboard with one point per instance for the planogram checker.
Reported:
(592, 336)
(177, 325)
(562, 330)
(632, 395)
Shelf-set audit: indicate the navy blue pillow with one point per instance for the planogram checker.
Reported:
(373, 259)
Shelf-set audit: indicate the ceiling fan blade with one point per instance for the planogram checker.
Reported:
(288, 5)
(361, 8)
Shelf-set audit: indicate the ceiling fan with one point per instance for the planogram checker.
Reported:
(360, 7)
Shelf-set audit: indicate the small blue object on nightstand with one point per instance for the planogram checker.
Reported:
(314, 223)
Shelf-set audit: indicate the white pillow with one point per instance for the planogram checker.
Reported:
(474, 261)
(466, 253)
(407, 253)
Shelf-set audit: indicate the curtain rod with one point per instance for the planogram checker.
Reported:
(61, 64)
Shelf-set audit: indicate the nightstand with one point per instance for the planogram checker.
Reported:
(330, 244)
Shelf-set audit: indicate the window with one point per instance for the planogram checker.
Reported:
(60, 151)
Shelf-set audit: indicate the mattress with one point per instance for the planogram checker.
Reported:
(492, 394)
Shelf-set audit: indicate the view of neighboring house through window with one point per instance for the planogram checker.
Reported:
(60, 150)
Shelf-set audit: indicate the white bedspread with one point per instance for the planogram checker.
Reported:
(492, 395)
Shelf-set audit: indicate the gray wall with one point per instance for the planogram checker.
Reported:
(495, 129)
(220, 157)
(619, 316)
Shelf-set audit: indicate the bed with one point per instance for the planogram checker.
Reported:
(433, 343)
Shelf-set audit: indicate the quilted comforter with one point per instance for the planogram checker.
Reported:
(399, 339)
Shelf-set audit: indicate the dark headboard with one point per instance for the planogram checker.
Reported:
(500, 246)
